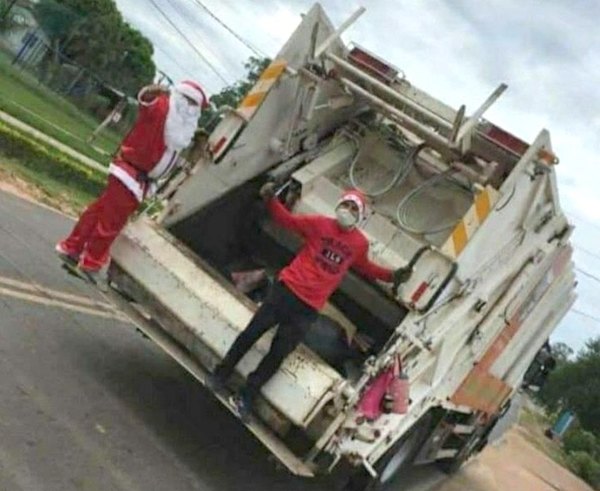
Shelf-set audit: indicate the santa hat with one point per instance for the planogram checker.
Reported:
(358, 198)
(193, 90)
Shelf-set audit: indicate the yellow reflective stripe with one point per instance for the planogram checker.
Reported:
(459, 237)
(253, 99)
(259, 92)
(273, 70)
(482, 205)
(470, 222)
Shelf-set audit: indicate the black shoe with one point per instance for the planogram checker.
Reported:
(243, 406)
(64, 256)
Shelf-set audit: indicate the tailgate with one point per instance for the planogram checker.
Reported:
(214, 313)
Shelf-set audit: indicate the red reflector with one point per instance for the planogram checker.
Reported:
(418, 293)
(547, 157)
(504, 139)
(219, 145)
(373, 65)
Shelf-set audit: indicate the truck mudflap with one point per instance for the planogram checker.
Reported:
(210, 313)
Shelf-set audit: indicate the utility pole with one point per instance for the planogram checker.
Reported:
(113, 117)
(7, 10)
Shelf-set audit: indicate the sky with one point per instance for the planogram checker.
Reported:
(548, 52)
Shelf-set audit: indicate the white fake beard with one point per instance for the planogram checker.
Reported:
(181, 123)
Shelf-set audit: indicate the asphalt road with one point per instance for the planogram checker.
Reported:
(87, 404)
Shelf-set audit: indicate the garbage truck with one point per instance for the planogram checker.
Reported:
(472, 209)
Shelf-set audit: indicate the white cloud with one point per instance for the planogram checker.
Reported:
(457, 50)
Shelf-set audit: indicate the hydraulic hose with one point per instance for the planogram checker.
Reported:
(402, 211)
(402, 172)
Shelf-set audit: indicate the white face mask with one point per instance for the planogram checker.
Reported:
(345, 218)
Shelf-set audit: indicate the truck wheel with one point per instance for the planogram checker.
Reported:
(396, 460)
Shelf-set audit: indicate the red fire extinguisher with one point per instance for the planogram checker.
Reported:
(390, 389)
(399, 389)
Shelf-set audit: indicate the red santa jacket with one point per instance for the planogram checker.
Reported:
(144, 148)
(145, 145)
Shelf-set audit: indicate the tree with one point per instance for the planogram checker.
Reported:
(6, 20)
(93, 34)
(55, 19)
(561, 352)
(233, 94)
(575, 385)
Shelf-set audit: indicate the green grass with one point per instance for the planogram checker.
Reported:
(535, 423)
(24, 98)
(56, 174)
(51, 191)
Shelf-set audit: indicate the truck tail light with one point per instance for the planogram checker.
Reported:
(373, 65)
(219, 145)
(418, 293)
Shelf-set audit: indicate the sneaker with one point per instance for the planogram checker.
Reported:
(243, 406)
(64, 255)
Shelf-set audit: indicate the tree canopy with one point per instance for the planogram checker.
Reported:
(233, 94)
(94, 34)
(575, 385)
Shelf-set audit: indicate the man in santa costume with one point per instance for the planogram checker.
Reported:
(165, 125)
(331, 247)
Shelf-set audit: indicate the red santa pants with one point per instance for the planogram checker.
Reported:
(100, 224)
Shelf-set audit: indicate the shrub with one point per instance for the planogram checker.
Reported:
(586, 467)
(579, 440)
(49, 161)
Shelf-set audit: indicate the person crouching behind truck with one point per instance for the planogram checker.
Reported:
(165, 125)
(331, 247)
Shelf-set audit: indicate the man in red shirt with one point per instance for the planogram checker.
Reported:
(331, 247)
(165, 125)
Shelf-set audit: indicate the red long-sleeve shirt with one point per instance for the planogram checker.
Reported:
(328, 252)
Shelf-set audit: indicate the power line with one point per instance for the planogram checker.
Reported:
(186, 39)
(587, 251)
(585, 314)
(246, 43)
(589, 275)
(185, 18)
(583, 220)
(173, 59)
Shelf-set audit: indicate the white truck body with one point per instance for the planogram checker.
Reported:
(492, 279)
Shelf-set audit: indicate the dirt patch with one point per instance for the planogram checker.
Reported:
(13, 184)
(513, 464)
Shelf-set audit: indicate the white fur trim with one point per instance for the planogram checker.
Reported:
(141, 94)
(165, 165)
(136, 188)
(192, 92)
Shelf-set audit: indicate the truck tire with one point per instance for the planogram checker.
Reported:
(396, 460)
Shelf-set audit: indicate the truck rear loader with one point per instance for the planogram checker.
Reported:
(472, 208)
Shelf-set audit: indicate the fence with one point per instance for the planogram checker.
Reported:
(43, 87)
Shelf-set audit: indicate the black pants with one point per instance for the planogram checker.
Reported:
(294, 318)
